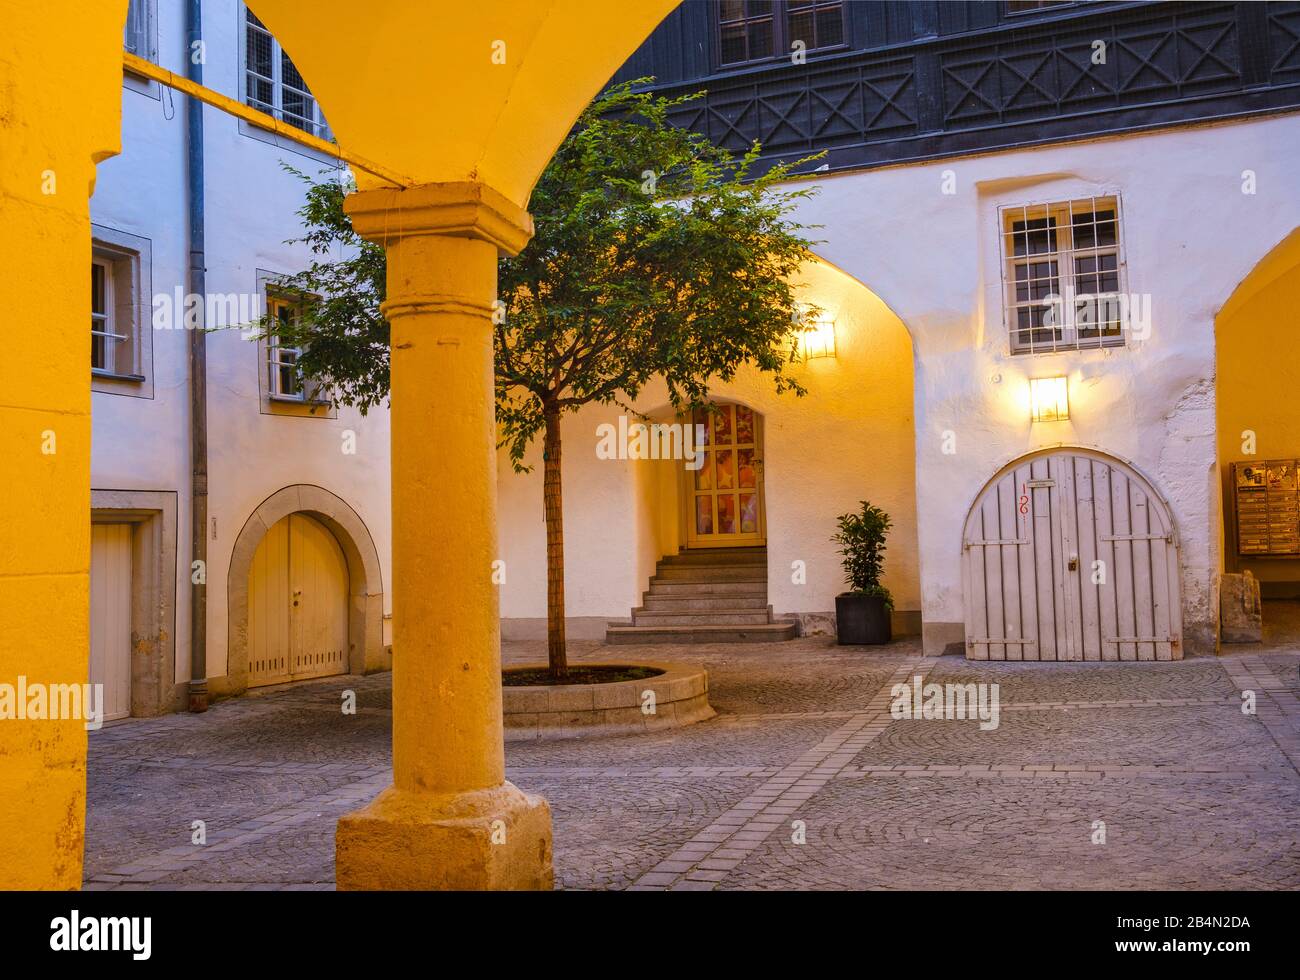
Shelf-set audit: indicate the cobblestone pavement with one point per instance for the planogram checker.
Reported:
(804, 780)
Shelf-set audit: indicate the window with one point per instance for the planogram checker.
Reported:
(282, 389)
(756, 30)
(121, 341)
(283, 375)
(104, 338)
(273, 85)
(139, 32)
(1062, 274)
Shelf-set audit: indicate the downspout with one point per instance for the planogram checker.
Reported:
(198, 357)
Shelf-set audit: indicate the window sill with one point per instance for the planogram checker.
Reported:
(101, 375)
(298, 407)
(147, 87)
(760, 63)
(253, 131)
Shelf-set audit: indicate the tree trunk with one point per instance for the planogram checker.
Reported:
(553, 503)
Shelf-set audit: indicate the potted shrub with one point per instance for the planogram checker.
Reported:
(862, 614)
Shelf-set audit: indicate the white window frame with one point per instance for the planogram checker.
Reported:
(104, 323)
(275, 352)
(317, 125)
(1066, 304)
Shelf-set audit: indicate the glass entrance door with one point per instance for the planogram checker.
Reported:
(726, 492)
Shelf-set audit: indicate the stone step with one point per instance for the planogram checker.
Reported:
(721, 557)
(766, 633)
(710, 617)
(710, 573)
(690, 602)
(704, 590)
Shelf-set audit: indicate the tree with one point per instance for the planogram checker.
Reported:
(656, 254)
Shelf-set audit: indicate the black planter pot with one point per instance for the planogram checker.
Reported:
(861, 619)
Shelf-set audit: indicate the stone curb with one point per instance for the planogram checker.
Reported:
(681, 697)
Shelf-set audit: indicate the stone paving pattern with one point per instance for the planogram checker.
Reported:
(1194, 793)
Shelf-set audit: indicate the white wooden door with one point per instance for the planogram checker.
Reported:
(110, 616)
(297, 604)
(1070, 555)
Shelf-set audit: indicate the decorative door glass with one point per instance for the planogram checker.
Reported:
(727, 488)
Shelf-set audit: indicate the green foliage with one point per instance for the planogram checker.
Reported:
(655, 254)
(343, 336)
(861, 538)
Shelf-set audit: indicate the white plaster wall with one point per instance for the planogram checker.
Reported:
(1190, 236)
(602, 530)
(850, 438)
(251, 212)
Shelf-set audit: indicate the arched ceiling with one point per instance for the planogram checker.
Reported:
(413, 84)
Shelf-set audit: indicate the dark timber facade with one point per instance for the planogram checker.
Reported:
(898, 82)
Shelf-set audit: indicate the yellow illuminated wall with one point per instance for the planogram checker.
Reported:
(60, 104)
(1258, 384)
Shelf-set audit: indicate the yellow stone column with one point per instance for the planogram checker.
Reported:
(450, 820)
(60, 113)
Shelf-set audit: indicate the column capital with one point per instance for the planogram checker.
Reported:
(460, 209)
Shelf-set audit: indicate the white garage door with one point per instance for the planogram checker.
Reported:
(1070, 555)
(297, 604)
(110, 616)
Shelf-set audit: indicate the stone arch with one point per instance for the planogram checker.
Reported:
(365, 584)
(1258, 422)
(1033, 543)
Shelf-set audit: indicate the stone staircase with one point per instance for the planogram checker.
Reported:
(709, 595)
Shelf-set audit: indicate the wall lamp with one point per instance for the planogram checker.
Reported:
(1049, 399)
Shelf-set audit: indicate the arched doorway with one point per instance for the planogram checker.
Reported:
(297, 604)
(724, 494)
(1070, 554)
(302, 539)
(1257, 376)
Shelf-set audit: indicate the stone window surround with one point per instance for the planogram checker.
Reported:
(267, 403)
(136, 255)
(152, 514)
(147, 86)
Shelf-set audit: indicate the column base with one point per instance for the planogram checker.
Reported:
(492, 839)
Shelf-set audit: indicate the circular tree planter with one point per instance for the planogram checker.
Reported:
(675, 695)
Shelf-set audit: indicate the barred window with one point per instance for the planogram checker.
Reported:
(1062, 275)
(273, 84)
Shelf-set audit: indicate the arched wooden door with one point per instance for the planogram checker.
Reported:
(1071, 555)
(297, 604)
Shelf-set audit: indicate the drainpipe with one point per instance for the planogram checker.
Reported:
(198, 357)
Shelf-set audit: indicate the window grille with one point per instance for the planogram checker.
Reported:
(273, 84)
(1063, 275)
